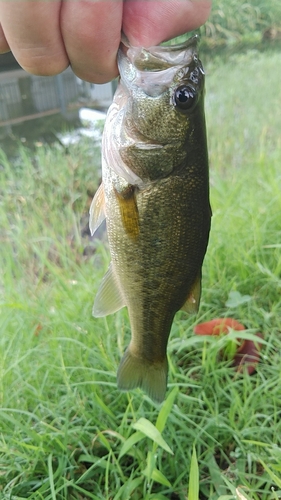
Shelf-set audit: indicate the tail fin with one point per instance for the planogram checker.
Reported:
(152, 378)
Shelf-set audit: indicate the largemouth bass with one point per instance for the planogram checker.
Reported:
(155, 198)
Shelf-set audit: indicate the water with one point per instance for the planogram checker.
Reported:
(53, 129)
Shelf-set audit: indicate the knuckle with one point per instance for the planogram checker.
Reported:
(95, 74)
(41, 62)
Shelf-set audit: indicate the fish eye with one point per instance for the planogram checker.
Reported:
(185, 97)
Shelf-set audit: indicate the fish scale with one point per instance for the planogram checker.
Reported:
(155, 197)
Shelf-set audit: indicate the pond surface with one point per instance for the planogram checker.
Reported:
(53, 129)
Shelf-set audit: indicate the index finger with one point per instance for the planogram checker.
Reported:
(91, 32)
(154, 21)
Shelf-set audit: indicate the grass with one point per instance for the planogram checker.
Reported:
(239, 21)
(65, 430)
(238, 25)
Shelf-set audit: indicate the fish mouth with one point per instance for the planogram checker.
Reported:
(160, 57)
(153, 69)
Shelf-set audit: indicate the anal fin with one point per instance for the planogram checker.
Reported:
(192, 302)
(109, 298)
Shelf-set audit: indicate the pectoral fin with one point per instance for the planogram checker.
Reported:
(192, 302)
(129, 211)
(109, 298)
(97, 210)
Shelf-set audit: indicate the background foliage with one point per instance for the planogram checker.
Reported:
(237, 21)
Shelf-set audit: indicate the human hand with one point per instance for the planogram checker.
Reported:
(46, 36)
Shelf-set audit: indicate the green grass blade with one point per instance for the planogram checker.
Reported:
(130, 442)
(128, 488)
(216, 476)
(166, 410)
(275, 495)
(159, 477)
(193, 485)
(275, 479)
(152, 473)
(150, 465)
(51, 477)
(147, 428)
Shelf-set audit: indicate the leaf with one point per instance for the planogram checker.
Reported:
(128, 488)
(252, 441)
(230, 486)
(275, 495)
(150, 431)
(235, 299)
(150, 465)
(246, 335)
(241, 496)
(51, 476)
(273, 477)
(193, 485)
(160, 478)
(226, 497)
(166, 410)
(236, 491)
(154, 474)
(216, 477)
(130, 442)
(105, 408)
(92, 459)
(182, 344)
(156, 496)
(276, 453)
